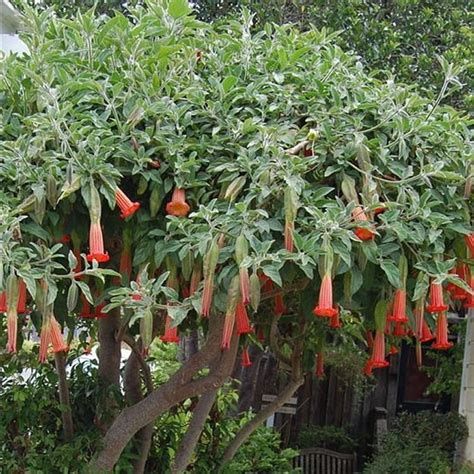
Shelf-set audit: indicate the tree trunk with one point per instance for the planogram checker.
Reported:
(244, 433)
(66, 413)
(193, 433)
(249, 380)
(133, 395)
(182, 385)
(109, 369)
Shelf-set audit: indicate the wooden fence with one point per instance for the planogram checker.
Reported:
(324, 461)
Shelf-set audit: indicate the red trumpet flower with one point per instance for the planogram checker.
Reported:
(378, 353)
(228, 330)
(96, 244)
(470, 243)
(325, 306)
(246, 362)
(363, 233)
(86, 312)
(3, 302)
(171, 333)
(456, 292)
(207, 296)
(244, 285)
(21, 307)
(426, 334)
(399, 307)
(442, 342)
(393, 350)
(319, 372)
(289, 229)
(50, 334)
(470, 296)
(178, 205)
(335, 320)
(399, 330)
(242, 319)
(127, 207)
(368, 368)
(260, 334)
(436, 299)
(98, 313)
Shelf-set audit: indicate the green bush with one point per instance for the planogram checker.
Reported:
(329, 437)
(419, 443)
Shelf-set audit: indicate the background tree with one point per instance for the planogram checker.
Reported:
(210, 177)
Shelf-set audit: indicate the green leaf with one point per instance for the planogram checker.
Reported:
(273, 273)
(229, 82)
(392, 272)
(85, 291)
(179, 8)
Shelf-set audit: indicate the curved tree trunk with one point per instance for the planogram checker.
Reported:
(133, 394)
(259, 418)
(193, 433)
(66, 413)
(109, 369)
(182, 385)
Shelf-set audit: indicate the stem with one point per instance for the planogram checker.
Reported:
(244, 433)
(193, 433)
(66, 413)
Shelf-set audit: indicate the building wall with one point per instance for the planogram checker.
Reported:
(9, 40)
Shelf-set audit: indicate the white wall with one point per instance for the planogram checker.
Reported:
(9, 23)
(12, 44)
(466, 401)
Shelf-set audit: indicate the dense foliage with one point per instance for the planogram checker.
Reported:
(329, 437)
(422, 442)
(272, 156)
(399, 37)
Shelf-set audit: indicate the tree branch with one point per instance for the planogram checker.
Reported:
(244, 433)
(66, 413)
(180, 387)
(191, 437)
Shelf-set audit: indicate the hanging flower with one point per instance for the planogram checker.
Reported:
(242, 319)
(171, 333)
(241, 253)
(21, 307)
(50, 334)
(291, 209)
(209, 267)
(12, 315)
(335, 320)
(178, 206)
(393, 350)
(426, 334)
(470, 243)
(228, 330)
(288, 234)
(279, 305)
(98, 313)
(65, 239)
(96, 244)
(3, 302)
(86, 312)
(436, 299)
(457, 293)
(231, 309)
(399, 330)
(246, 362)
(260, 334)
(319, 372)
(370, 339)
(442, 342)
(127, 207)
(368, 368)
(325, 306)
(378, 352)
(125, 265)
(470, 296)
(399, 307)
(363, 233)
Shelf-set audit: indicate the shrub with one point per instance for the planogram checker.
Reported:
(329, 437)
(423, 443)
